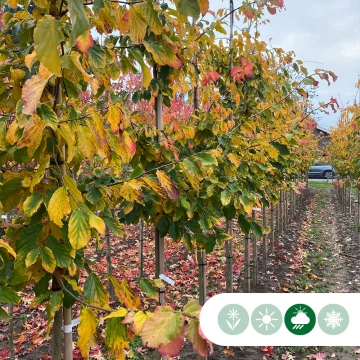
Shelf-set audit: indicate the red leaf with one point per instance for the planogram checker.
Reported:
(241, 73)
(278, 3)
(271, 10)
(210, 76)
(126, 16)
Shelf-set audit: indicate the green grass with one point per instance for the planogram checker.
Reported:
(320, 185)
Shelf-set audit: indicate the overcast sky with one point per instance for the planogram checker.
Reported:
(324, 34)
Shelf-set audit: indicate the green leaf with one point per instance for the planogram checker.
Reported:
(192, 308)
(192, 167)
(114, 225)
(163, 54)
(148, 288)
(175, 230)
(188, 243)
(48, 116)
(244, 224)
(93, 194)
(207, 159)
(47, 37)
(79, 229)
(163, 225)
(11, 187)
(94, 291)
(257, 229)
(189, 8)
(8, 296)
(98, 4)
(79, 19)
(97, 56)
(116, 338)
(229, 211)
(151, 16)
(61, 253)
(32, 204)
(283, 150)
(27, 240)
(225, 197)
(48, 259)
(4, 316)
(31, 257)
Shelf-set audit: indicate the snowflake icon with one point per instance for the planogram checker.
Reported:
(333, 319)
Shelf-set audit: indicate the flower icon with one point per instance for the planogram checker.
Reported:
(233, 315)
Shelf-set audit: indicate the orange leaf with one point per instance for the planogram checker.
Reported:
(168, 185)
(129, 143)
(84, 42)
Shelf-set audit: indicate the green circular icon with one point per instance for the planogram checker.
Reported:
(333, 319)
(300, 319)
(233, 319)
(266, 319)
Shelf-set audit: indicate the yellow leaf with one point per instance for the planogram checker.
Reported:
(151, 16)
(96, 126)
(79, 229)
(116, 314)
(87, 331)
(129, 144)
(4, 244)
(139, 318)
(168, 185)
(125, 294)
(130, 190)
(204, 6)
(138, 24)
(33, 89)
(12, 134)
(161, 329)
(70, 184)
(32, 134)
(85, 141)
(97, 223)
(114, 117)
(59, 206)
(155, 187)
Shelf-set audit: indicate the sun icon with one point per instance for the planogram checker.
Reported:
(266, 319)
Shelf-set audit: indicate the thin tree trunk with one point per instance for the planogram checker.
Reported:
(272, 229)
(141, 248)
(159, 263)
(11, 332)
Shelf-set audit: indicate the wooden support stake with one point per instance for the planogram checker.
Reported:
(272, 229)
(247, 278)
(229, 258)
(201, 258)
(264, 250)
(108, 262)
(254, 274)
(281, 213)
(141, 248)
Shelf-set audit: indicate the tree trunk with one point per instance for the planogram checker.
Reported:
(264, 222)
(108, 262)
(272, 229)
(247, 278)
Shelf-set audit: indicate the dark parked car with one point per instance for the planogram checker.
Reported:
(321, 171)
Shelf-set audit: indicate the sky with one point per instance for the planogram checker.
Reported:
(323, 34)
